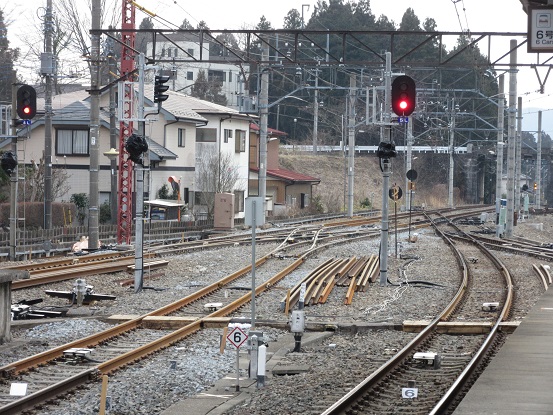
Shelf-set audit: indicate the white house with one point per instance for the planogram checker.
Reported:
(175, 136)
(183, 46)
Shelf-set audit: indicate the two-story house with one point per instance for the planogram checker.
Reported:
(176, 137)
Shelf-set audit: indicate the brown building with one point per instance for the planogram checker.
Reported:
(285, 188)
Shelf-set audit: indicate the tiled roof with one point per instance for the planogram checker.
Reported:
(158, 152)
(289, 175)
(270, 131)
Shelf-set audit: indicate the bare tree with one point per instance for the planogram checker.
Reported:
(70, 35)
(216, 173)
(34, 181)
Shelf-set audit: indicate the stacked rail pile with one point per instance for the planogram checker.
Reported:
(354, 273)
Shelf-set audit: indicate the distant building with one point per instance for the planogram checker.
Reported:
(183, 46)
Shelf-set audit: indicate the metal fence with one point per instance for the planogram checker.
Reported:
(39, 242)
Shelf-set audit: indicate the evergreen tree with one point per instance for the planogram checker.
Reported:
(7, 58)
(142, 39)
(293, 20)
(208, 90)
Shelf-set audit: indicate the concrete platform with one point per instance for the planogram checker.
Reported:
(519, 380)
(222, 396)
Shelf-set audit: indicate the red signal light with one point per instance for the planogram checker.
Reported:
(27, 110)
(403, 95)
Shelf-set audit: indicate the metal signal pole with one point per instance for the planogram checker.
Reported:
(385, 166)
(94, 126)
(48, 72)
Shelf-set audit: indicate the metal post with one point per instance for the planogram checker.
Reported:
(538, 165)
(263, 121)
(351, 141)
(113, 136)
(316, 112)
(139, 174)
(499, 165)
(48, 30)
(450, 202)
(385, 165)
(511, 140)
(254, 225)
(237, 369)
(94, 125)
(408, 163)
(518, 156)
(13, 178)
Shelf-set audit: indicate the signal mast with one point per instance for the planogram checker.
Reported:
(125, 168)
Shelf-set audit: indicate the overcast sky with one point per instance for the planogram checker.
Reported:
(450, 15)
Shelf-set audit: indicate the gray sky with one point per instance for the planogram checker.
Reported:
(450, 15)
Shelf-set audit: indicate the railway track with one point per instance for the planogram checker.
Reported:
(294, 253)
(429, 363)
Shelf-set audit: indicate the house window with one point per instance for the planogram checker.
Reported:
(206, 135)
(169, 50)
(182, 136)
(240, 141)
(230, 76)
(238, 201)
(163, 52)
(190, 76)
(191, 52)
(228, 134)
(72, 142)
(176, 53)
(216, 76)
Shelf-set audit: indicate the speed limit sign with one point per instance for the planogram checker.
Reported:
(237, 337)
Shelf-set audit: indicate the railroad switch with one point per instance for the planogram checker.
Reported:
(490, 306)
(429, 359)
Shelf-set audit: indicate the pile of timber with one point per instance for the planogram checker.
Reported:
(354, 273)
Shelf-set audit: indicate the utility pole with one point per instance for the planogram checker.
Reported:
(263, 121)
(499, 151)
(351, 141)
(316, 112)
(14, 175)
(538, 165)
(94, 125)
(48, 72)
(451, 151)
(518, 156)
(385, 166)
(511, 140)
(112, 134)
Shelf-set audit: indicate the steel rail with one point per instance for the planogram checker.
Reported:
(372, 380)
(78, 270)
(466, 374)
(17, 407)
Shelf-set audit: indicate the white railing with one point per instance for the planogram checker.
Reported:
(372, 149)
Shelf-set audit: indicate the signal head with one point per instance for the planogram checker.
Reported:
(403, 95)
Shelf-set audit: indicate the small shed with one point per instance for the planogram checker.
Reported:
(162, 209)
